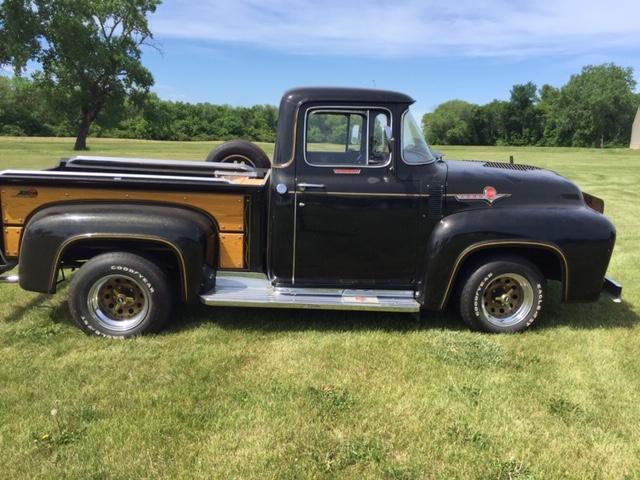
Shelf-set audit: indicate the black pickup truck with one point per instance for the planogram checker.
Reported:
(355, 212)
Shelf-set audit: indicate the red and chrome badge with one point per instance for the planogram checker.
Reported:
(489, 194)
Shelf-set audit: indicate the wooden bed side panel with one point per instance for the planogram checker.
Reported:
(231, 250)
(12, 237)
(18, 202)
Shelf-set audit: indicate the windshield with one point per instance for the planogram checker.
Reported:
(415, 150)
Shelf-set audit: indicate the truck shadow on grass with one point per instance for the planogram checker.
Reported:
(41, 301)
(602, 314)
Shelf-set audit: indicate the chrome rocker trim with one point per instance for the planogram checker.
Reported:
(233, 290)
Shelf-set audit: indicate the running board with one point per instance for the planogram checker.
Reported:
(237, 290)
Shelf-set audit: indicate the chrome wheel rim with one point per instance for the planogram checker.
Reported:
(507, 299)
(118, 302)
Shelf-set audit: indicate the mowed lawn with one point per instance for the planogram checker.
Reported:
(240, 393)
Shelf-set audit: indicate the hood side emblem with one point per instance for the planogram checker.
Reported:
(489, 194)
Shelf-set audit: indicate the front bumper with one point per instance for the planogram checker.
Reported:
(613, 289)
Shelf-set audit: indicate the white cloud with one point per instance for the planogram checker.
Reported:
(411, 28)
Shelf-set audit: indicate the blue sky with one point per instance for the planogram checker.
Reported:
(244, 52)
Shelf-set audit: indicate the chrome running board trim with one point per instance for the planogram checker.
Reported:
(9, 279)
(256, 291)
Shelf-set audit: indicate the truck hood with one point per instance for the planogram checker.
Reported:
(470, 181)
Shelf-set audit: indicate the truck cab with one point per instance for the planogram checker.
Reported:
(346, 209)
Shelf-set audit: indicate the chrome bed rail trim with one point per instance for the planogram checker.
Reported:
(78, 160)
(109, 176)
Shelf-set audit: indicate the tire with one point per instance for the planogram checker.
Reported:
(240, 151)
(144, 296)
(502, 295)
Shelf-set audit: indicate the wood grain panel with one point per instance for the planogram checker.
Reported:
(231, 250)
(19, 202)
(12, 241)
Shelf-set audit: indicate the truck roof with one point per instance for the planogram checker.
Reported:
(343, 94)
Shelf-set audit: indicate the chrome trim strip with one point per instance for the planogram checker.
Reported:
(304, 185)
(505, 243)
(257, 291)
(364, 194)
(9, 279)
(112, 176)
(345, 109)
(295, 237)
(90, 236)
(161, 162)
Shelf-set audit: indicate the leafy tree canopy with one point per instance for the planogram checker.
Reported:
(89, 52)
(595, 108)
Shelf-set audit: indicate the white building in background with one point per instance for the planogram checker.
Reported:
(635, 132)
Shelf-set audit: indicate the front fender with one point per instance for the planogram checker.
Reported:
(580, 238)
(53, 230)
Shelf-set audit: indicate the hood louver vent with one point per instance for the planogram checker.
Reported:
(510, 166)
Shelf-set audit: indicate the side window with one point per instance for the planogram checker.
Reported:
(336, 138)
(339, 138)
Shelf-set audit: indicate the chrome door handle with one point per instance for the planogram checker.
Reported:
(304, 186)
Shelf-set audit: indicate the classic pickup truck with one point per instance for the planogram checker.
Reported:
(354, 212)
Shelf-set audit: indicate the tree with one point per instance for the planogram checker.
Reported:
(596, 107)
(451, 123)
(490, 123)
(523, 120)
(89, 52)
(549, 113)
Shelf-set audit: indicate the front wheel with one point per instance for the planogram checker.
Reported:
(120, 295)
(502, 295)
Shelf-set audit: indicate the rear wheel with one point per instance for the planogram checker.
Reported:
(502, 295)
(120, 295)
(242, 152)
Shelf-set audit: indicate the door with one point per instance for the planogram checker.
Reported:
(355, 223)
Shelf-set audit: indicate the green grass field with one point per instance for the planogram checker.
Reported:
(235, 393)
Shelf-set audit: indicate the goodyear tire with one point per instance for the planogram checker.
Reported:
(120, 295)
(240, 151)
(502, 295)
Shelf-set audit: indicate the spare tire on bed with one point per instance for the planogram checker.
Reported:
(240, 151)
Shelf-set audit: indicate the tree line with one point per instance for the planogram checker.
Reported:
(595, 108)
(28, 109)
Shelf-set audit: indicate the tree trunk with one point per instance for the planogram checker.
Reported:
(83, 131)
(88, 116)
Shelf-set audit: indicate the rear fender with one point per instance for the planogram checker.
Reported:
(53, 231)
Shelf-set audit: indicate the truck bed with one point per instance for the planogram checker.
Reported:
(230, 194)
